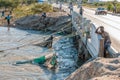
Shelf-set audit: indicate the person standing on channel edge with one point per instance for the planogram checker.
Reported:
(8, 21)
(70, 7)
(114, 9)
(105, 35)
(44, 15)
(81, 11)
(60, 5)
(3, 14)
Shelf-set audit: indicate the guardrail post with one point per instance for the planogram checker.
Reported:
(101, 48)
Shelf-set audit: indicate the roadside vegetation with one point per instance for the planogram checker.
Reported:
(21, 8)
(11, 4)
(108, 5)
(31, 9)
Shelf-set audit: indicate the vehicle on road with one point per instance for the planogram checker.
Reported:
(101, 11)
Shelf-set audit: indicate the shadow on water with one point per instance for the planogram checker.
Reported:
(51, 73)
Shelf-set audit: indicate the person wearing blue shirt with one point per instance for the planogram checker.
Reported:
(8, 20)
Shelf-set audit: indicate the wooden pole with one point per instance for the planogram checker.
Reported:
(101, 48)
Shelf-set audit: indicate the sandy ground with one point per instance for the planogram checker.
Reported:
(98, 69)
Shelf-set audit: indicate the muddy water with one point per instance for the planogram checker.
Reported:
(67, 56)
(18, 45)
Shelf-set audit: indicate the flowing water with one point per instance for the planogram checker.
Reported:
(17, 45)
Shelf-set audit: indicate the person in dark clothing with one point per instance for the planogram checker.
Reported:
(70, 7)
(81, 11)
(114, 9)
(3, 14)
(44, 15)
(45, 21)
(60, 5)
(105, 35)
(10, 12)
(49, 41)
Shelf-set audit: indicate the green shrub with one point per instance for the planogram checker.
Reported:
(38, 8)
(101, 4)
(25, 10)
(96, 3)
(118, 8)
(109, 7)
